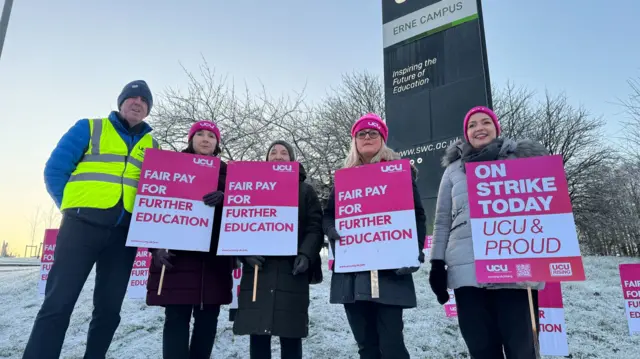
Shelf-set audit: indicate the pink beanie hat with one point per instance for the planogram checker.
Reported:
(373, 122)
(487, 111)
(204, 125)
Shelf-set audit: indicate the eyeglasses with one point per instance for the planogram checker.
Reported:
(363, 134)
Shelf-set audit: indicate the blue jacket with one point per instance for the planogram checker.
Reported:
(71, 148)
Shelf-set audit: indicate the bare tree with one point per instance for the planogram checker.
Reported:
(246, 120)
(562, 128)
(589, 162)
(35, 222)
(513, 105)
(324, 139)
(632, 124)
(51, 218)
(4, 251)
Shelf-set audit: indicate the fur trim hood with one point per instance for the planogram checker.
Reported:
(519, 149)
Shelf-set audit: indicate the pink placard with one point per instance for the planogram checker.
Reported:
(249, 183)
(364, 186)
(526, 186)
(427, 242)
(139, 274)
(47, 257)
(260, 213)
(521, 221)
(630, 280)
(375, 217)
(169, 211)
(550, 296)
(235, 290)
(168, 174)
(49, 245)
(552, 329)
(330, 259)
(450, 307)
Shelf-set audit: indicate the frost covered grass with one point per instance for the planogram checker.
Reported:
(597, 327)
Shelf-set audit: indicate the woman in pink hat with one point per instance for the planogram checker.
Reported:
(195, 283)
(493, 318)
(376, 323)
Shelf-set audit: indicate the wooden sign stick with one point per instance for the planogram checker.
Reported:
(255, 281)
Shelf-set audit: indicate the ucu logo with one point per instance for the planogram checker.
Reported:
(374, 124)
(392, 168)
(498, 268)
(208, 124)
(283, 168)
(203, 162)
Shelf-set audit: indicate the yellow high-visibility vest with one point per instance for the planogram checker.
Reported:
(107, 171)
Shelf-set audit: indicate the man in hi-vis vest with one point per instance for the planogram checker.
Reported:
(92, 175)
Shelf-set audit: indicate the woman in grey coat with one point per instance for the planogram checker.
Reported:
(493, 317)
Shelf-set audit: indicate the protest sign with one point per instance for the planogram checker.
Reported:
(139, 275)
(427, 246)
(552, 330)
(521, 221)
(630, 278)
(235, 290)
(450, 307)
(375, 217)
(46, 260)
(330, 259)
(169, 212)
(260, 215)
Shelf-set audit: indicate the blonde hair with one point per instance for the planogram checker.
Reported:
(355, 159)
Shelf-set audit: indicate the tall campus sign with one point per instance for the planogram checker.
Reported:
(435, 70)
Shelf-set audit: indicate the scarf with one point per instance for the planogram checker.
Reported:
(489, 152)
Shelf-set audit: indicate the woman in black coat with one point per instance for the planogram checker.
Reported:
(195, 284)
(376, 323)
(282, 299)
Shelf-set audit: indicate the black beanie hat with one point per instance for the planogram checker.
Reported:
(135, 89)
(292, 154)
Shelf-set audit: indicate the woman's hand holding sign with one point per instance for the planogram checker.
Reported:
(213, 199)
(161, 258)
(333, 236)
(254, 261)
(301, 264)
(410, 270)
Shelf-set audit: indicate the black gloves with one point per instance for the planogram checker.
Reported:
(213, 199)
(406, 270)
(332, 234)
(438, 280)
(409, 270)
(301, 264)
(161, 257)
(253, 261)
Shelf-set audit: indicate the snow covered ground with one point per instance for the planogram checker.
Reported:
(597, 327)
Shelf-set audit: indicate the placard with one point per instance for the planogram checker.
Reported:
(169, 212)
(522, 222)
(260, 215)
(375, 217)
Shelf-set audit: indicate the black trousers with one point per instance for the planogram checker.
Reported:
(175, 338)
(79, 246)
(493, 320)
(377, 328)
(260, 347)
